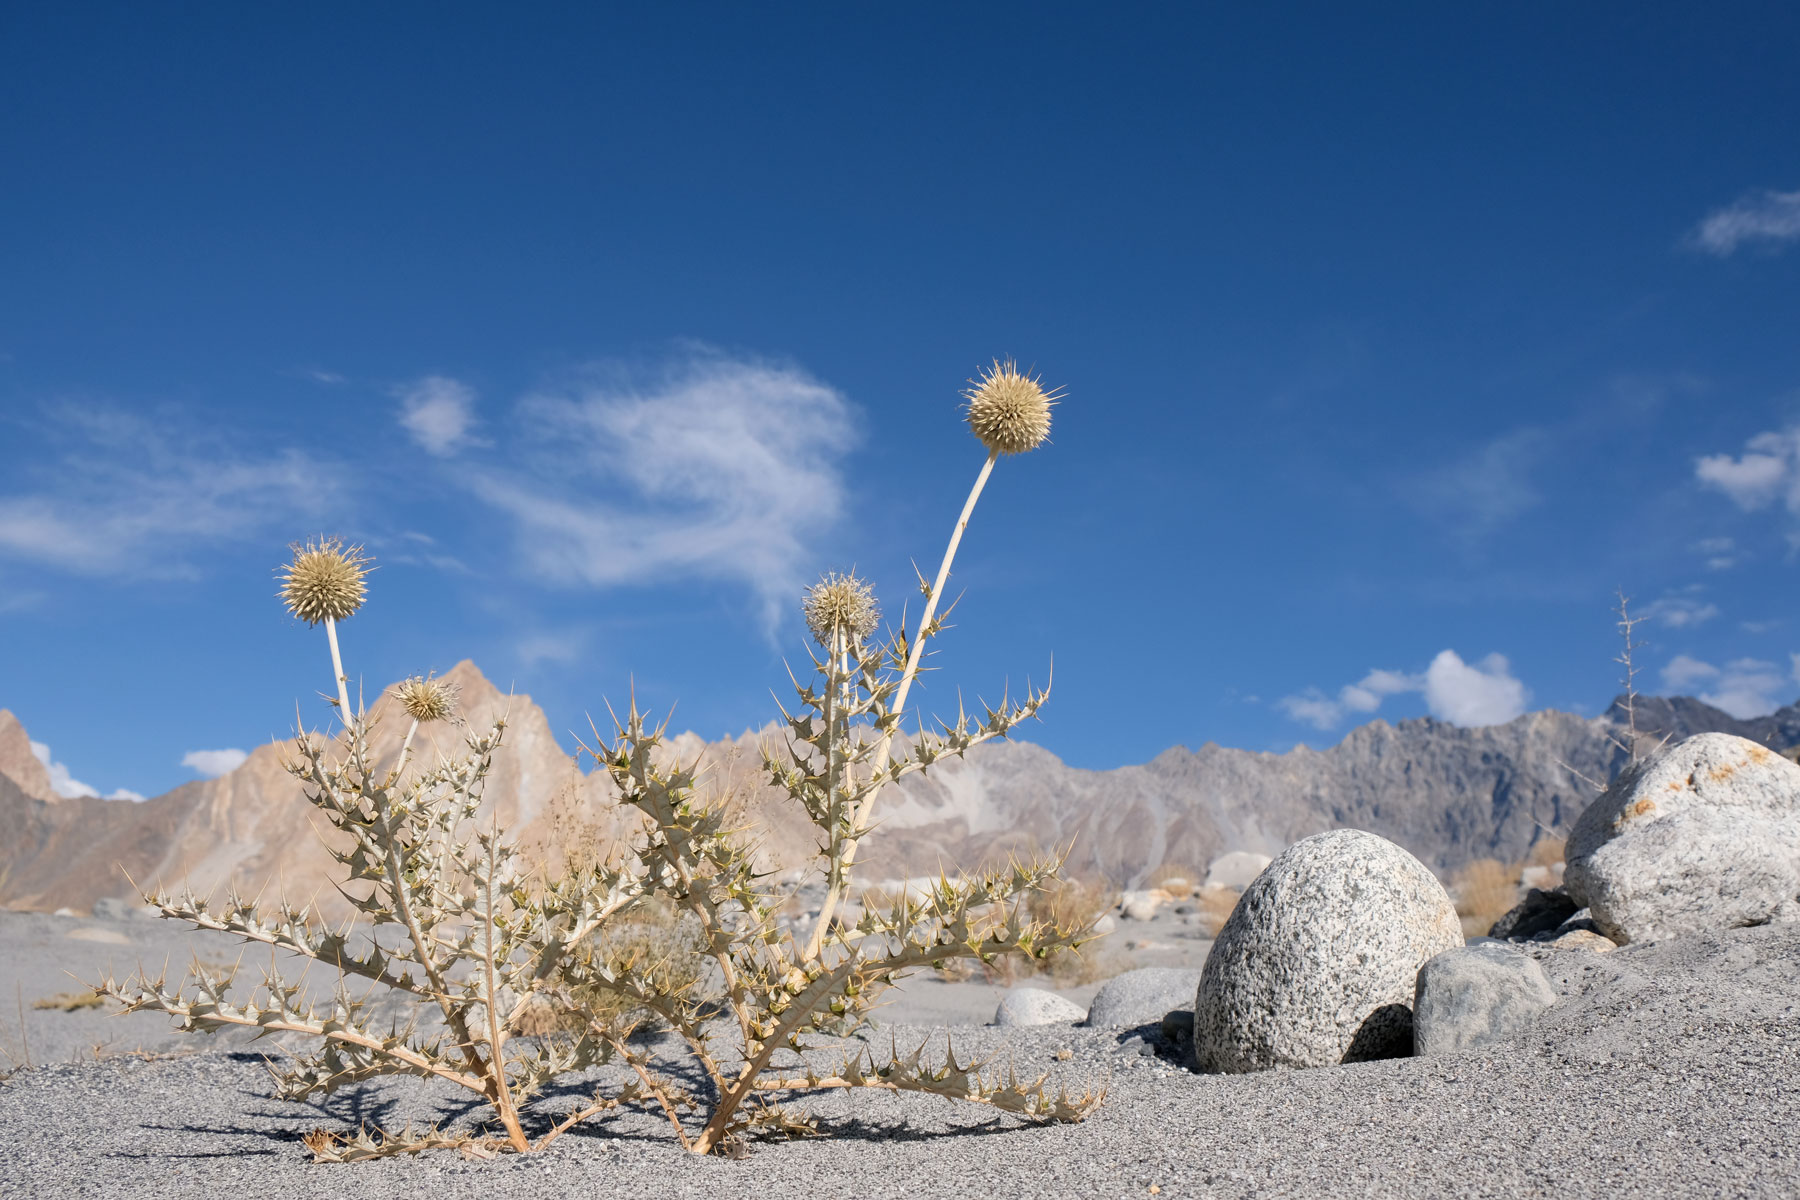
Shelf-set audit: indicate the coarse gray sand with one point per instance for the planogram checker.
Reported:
(1667, 1069)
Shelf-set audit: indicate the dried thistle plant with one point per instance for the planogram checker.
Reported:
(674, 928)
(779, 990)
(469, 947)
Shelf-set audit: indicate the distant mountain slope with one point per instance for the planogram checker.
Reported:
(1446, 793)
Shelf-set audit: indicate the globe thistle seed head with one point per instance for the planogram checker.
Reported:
(1008, 409)
(325, 580)
(840, 602)
(426, 699)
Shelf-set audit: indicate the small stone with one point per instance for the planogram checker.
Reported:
(1105, 925)
(1141, 997)
(1475, 996)
(1583, 939)
(1023, 1007)
(1138, 906)
(1178, 1025)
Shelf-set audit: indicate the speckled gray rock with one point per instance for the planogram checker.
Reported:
(1703, 835)
(1475, 996)
(1317, 963)
(1141, 997)
(1026, 1006)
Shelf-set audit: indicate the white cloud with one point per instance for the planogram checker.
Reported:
(1680, 611)
(1767, 471)
(1767, 218)
(1367, 695)
(1743, 688)
(1468, 694)
(1313, 707)
(438, 412)
(214, 763)
(722, 469)
(1481, 694)
(1484, 490)
(1683, 671)
(128, 496)
(66, 785)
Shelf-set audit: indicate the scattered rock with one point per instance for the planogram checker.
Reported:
(1238, 869)
(1317, 963)
(1138, 906)
(1475, 996)
(1178, 1025)
(1703, 835)
(1141, 997)
(1539, 912)
(1582, 920)
(1583, 939)
(1105, 925)
(1025, 1006)
(93, 933)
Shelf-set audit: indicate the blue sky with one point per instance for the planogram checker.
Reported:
(1393, 341)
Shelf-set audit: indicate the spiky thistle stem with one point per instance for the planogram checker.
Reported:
(915, 653)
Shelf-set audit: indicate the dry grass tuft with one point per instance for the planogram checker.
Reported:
(1216, 905)
(1547, 853)
(1484, 890)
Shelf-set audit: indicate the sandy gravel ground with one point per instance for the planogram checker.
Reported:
(1664, 1070)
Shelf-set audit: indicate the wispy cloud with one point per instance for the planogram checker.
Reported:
(1719, 553)
(438, 412)
(1766, 218)
(564, 646)
(1483, 490)
(719, 468)
(121, 495)
(1743, 687)
(1680, 610)
(66, 785)
(214, 763)
(1468, 694)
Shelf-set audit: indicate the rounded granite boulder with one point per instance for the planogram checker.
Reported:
(1702, 835)
(1318, 961)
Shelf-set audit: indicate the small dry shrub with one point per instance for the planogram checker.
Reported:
(1547, 853)
(1484, 889)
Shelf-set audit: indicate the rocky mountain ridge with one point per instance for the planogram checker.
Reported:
(1446, 793)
